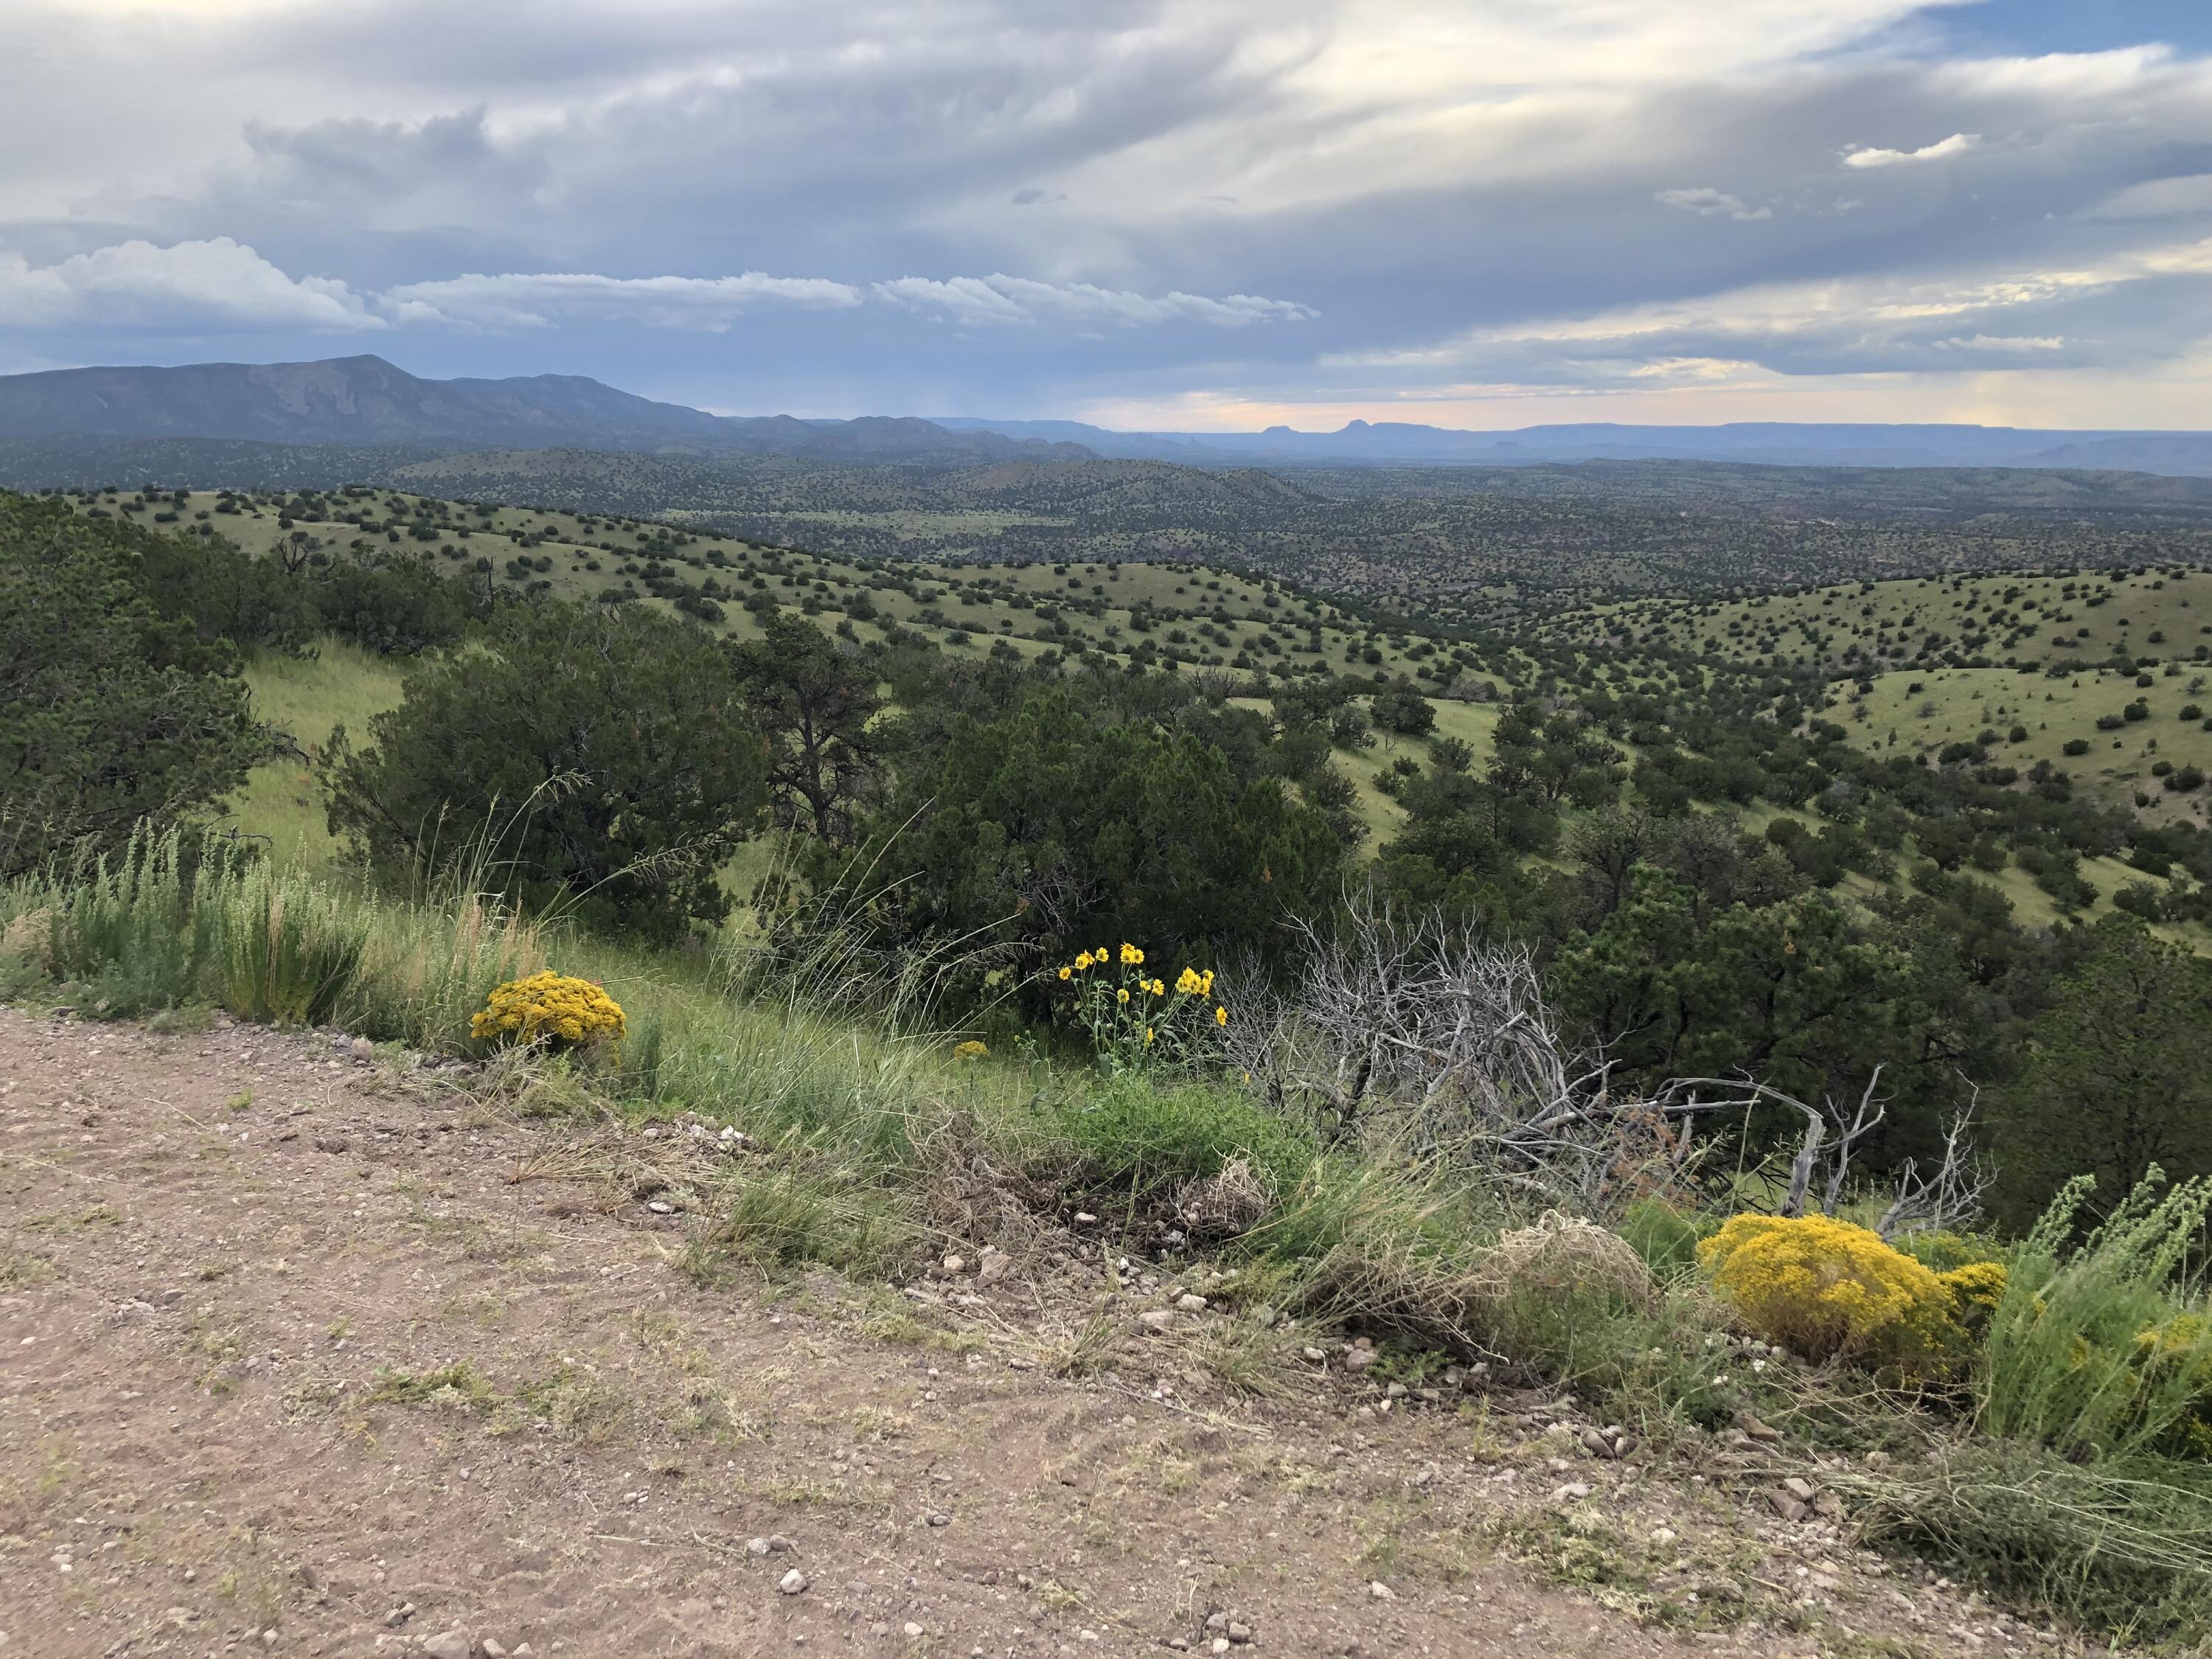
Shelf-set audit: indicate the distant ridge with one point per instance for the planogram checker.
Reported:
(1770, 443)
(365, 401)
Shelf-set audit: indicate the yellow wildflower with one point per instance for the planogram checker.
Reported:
(1148, 1037)
(1122, 996)
(1065, 972)
(1131, 955)
(1082, 962)
(1220, 1016)
(1188, 982)
(971, 1049)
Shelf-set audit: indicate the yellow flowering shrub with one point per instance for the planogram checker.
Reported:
(1977, 1284)
(552, 1009)
(971, 1049)
(1823, 1288)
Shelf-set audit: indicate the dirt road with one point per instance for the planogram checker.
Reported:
(289, 1364)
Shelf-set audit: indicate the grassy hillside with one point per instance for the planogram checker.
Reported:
(1198, 617)
(2161, 613)
(304, 697)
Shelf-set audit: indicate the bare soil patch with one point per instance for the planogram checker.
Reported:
(292, 1362)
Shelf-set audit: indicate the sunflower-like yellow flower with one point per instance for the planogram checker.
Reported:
(1131, 955)
(1122, 996)
(1205, 984)
(1220, 1015)
(1149, 1035)
(1188, 984)
(1066, 972)
(1082, 962)
(1159, 987)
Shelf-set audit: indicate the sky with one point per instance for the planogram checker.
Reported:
(1199, 214)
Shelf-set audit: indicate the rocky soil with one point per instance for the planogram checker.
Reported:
(306, 1348)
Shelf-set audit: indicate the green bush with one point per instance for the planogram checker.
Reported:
(1151, 1138)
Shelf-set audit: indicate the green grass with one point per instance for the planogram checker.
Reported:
(304, 697)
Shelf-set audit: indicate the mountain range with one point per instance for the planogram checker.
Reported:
(366, 402)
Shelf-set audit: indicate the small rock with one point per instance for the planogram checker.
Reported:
(1802, 1489)
(940, 1519)
(492, 1649)
(362, 1049)
(912, 1631)
(1157, 1319)
(956, 1265)
(1788, 1506)
(1573, 1492)
(792, 1583)
(995, 1266)
(448, 1644)
(399, 1615)
(1239, 1633)
(1381, 1591)
(1757, 1430)
(1191, 1303)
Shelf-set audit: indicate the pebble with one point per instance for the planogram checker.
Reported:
(1157, 1319)
(448, 1644)
(792, 1583)
(1191, 1303)
(1381, 1591)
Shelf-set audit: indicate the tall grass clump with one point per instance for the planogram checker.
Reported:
(289, 947)
(2091, 1352)
(124, 931)
(2088, 1485)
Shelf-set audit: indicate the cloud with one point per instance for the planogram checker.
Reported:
(2003, 343)
(1957, 144)
(516, 300)
(2120, 311)
(1000, 299)
(1441, 186)
(193, 285)
(1707, 202)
